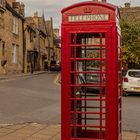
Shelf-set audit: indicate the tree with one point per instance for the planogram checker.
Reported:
(131, 42)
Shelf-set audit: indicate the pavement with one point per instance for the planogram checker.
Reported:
(35, 131)
(19, 75)
(30, 131)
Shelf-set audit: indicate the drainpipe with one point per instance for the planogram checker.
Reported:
(24, 47)
(24, 44)
(39, 56)
(48, 52)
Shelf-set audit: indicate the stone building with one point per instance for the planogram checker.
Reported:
(56, 32)
(129, 12)
(57, 44)
(26, 44)
(11, 36)
(54, 42)
(36, 57)
(49, 27)
(29, 48)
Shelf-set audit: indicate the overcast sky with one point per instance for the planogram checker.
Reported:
(52, 8)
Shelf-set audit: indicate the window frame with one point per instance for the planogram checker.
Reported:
(14, 53)
(3, 48)
(1, 19)
(15, 25)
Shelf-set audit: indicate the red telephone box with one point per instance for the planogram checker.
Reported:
(91, 72)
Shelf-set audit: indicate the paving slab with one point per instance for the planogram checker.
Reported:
(13, 76)
(129, 136)
(34, 131)
(15, 127)
(14, 136)
(138, 137)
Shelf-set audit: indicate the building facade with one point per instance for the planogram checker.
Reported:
(49, 27)
(129, 12)
(57, 44)
(27, 44)
(11, 36)
(29, 48)
(36, 44)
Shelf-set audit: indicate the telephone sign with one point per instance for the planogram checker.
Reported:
(80, 18)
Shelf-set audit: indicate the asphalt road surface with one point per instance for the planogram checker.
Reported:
(131, 113)
(37, 99)
(30, 99)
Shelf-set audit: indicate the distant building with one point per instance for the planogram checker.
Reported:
(11, 36)
(27, 44)
(57, 44)
(29, 48)
(56, 32)
(37, 51)
(130, 12)
(49, 27)
(54, 42)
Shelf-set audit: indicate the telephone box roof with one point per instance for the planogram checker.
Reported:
(103, 4)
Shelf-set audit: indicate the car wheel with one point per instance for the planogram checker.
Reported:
(124, 93)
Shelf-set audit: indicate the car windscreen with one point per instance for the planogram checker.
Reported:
(134, 74)
(53, 62)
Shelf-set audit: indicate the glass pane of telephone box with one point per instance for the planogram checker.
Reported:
(88, 52)
(88, 67)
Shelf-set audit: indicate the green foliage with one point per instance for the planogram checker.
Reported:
(131, 42)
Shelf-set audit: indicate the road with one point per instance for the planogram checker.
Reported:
(37, 99)
(131, 113)
(30, 99)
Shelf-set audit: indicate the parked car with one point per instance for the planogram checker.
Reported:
(93, 78)
(55, 66)
(131, 82)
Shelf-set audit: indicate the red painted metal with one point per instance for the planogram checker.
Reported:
(91, 72)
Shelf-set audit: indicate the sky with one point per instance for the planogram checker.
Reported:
(52, 8)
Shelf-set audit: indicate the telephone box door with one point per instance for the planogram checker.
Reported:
(87, 99)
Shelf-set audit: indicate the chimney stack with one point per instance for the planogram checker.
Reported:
(16, 6)
(103, 0)
(36, 14)
(10, 1)
(99, 0)
(127, 5)
(22, 8)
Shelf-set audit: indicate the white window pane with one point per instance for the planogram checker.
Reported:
(15, 25)
(14, 54)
